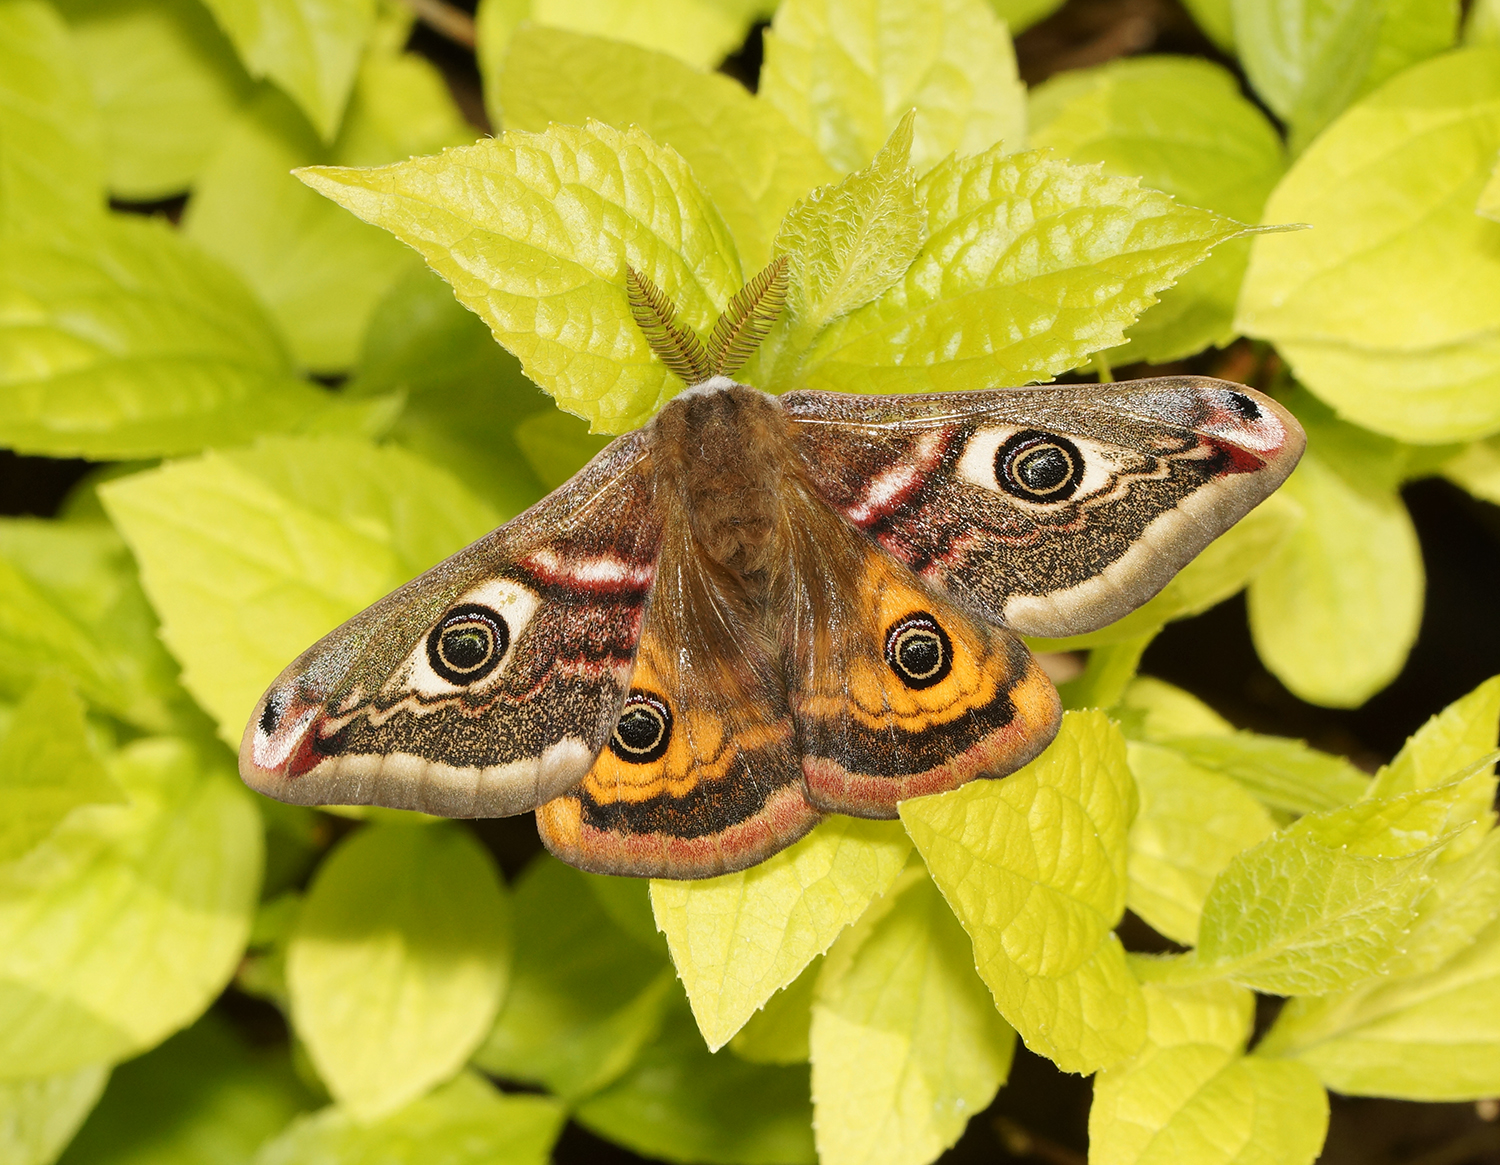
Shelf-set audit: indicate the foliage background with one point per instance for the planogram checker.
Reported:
(302, 417)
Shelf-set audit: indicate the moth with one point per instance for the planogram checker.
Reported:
(756, 610)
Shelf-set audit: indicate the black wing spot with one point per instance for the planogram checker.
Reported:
(1245, 406)
(919, 651)
(270, 715)
(468, 643)
(643, 730)
(1038, 467)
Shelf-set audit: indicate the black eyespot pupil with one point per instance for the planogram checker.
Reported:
(468, 644)
(643, 730)
(918, 651)
(1038, 467)
(465, 648)
(639, 730)
(920, 654)
(1043, 469)
(270, 715)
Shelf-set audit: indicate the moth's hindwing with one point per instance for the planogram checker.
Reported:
(896, 692)
(487, 685)
(1051, 510)
(701, 773)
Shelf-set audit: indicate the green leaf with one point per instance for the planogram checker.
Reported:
(398, 962)
(1192, 1095)
(1455, 738)
(1281, 774)
(167, 85)
(1034, 867)
(699, 32)
(906, 1044)
(1108, 673)
(466, 1122)
(556, 445)
(739, 938)
(48, 767)
(1216, 19)
(311, 48)
(1070, 258)
(1192, 821)
(1326, 902)
(1336, 611)
(848, 242)
(130, 342)
(1155, 711)
(1224, 568)
(684, 1104)
(1483, 26)
(1022, 14)
(780, 1032)
(39, 1116)
(70, 601)
(249, 557)
(51, 140)
(535, 231)
(1369, 322)
(464, 394)
(125, 922)
(751, 161)
(1181, 125)
(203, 1096)
(1449, 743)
(1427, 1029)
(1308, 59)
(845, 72)
(1476, 468)
(585, 995)
(319, 270)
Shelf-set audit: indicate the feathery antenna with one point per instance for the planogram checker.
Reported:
(747, 319)
(675, 344)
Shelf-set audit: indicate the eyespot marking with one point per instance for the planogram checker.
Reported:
(643, 730)
(1039, 467)
(468, 643)
(919, 651)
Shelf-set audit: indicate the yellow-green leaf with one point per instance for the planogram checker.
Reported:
(398, 961)
(845, 72)
(1192, 1094)
(48, 767)
(467, 1122)
(739, 938)
(51, 138)
(906, 1044)
(1326, 902)
(166, 82)
(1392, 339)
(585, 995)
(750, 159)
(534, 232)
(1034, 867)
(126, 921)
(1030, 264)
(1181, 125)
(1191, 823)
(311, 48)
(38, 1117)
(1428, 1029)
(1336, 611)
